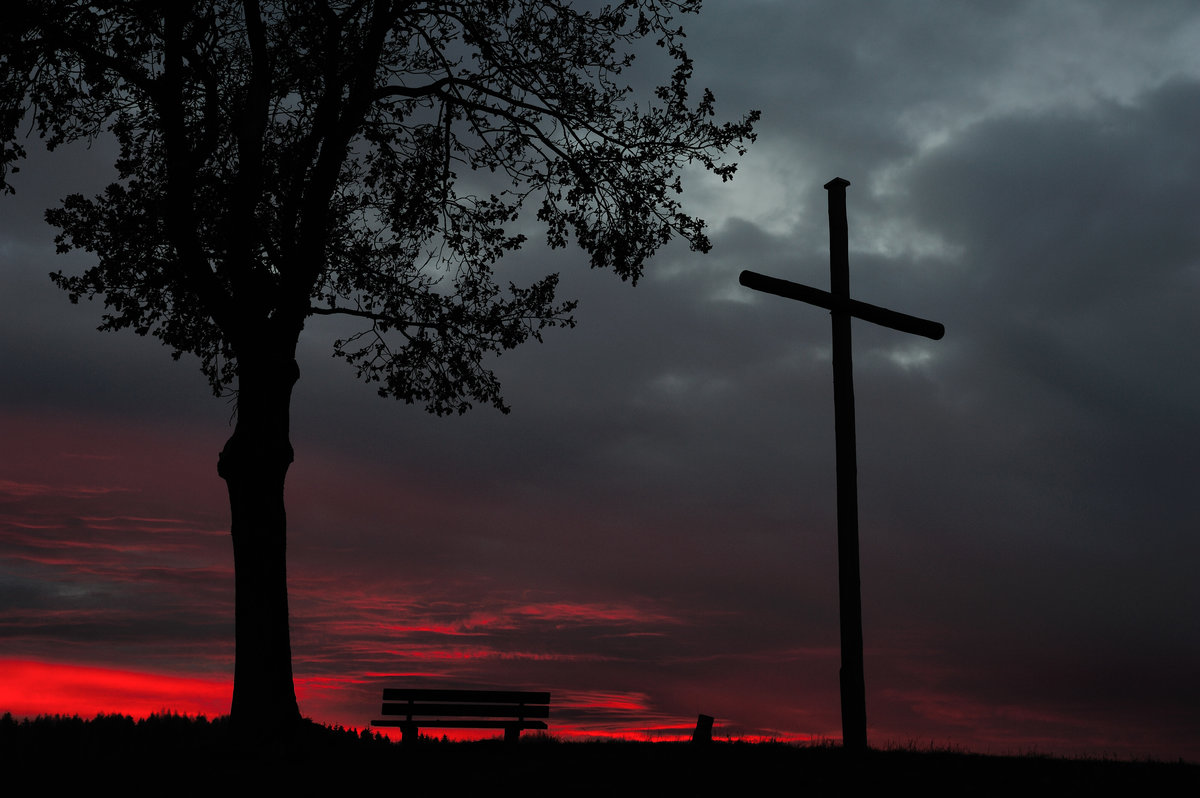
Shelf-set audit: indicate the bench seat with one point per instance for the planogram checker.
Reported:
(513, 711)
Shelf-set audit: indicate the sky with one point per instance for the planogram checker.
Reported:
(651, 533)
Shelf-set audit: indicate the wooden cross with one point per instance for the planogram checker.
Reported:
(842, 307)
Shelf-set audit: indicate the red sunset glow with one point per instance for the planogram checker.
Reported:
(103, 526)
(29, 689)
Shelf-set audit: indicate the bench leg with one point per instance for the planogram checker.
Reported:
(512, 734)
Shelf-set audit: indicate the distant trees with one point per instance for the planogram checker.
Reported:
(360, 158)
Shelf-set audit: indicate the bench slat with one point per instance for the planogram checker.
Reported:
(465, 724)
(463, 696)
(467, 710)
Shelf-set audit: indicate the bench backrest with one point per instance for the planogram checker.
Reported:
(466, 704)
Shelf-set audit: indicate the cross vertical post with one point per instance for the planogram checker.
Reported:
(852, 680)
(842, 308)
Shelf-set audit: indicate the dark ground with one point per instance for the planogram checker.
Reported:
(172, 755)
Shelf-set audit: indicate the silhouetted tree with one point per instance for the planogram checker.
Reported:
(362, 158)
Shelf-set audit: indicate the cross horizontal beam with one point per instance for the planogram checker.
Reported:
(862, 310)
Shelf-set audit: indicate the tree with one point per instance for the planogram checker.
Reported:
(355, 158)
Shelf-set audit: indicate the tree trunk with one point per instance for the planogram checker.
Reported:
(254, 465)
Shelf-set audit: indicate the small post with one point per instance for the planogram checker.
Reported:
(703, 731)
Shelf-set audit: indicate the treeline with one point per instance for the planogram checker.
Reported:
(165, 739)
(169, 753)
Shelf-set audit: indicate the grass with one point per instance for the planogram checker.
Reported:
(174, 755)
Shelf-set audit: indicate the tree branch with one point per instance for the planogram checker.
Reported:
(407, 91)
(382, 318)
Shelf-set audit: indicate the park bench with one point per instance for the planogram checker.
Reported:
(464, 709)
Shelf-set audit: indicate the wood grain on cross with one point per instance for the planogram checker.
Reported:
(843, 308)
